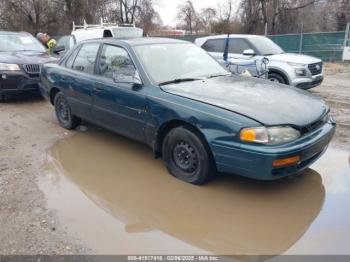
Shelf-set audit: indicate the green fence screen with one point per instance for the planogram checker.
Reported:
(327, 46)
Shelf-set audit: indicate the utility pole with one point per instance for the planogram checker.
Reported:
(301, 33)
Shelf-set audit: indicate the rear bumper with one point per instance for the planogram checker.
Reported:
(255, 161)
(11, 82)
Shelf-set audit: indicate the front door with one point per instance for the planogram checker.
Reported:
(119, 105)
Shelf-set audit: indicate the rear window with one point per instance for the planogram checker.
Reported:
(86, 58)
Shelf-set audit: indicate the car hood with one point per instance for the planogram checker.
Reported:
(268, 103)
(294, 58)
(26, 57)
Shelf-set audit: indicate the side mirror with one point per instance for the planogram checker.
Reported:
(249, 52)
(58, 49)
(125, 78)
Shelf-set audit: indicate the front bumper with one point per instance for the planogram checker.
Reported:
(310, 84)
(256, 161)
(11, 82)
(305, 82)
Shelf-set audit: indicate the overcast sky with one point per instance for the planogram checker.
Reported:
(168, 8)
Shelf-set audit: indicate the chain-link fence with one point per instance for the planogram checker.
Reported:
(327, 46)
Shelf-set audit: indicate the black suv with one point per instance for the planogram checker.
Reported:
(21, 58)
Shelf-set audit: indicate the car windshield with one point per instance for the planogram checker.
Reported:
(126, 32)
(168, 62)
(265, 46)
(10, 43)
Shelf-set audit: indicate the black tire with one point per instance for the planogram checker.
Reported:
(2, 97)
(63, 112)
(275, 77)
(187, 157)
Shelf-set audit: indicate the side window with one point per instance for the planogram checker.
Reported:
(215, 45)
(70, 60)
(237, 46)
(63, 41)
(115, 62)
(85, 60)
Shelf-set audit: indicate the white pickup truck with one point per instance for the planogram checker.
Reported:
(102, 30)
(298, 70)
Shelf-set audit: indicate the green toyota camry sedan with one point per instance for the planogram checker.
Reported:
(201, 119)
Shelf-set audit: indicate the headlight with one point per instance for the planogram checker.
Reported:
(269, 135)
(296, 64)
(300, 71)
(9, 67)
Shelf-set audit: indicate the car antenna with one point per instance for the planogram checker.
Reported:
(227, 44)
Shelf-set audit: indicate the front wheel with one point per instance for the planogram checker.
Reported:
(273, 77)
(63, 112)
(187, 157)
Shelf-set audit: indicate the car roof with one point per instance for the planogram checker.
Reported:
(201, 40)
(107, 27)
(139, 41)
(231, 36)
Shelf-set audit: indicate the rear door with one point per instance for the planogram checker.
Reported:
(119, 106)
(216, 47)
(79, 81)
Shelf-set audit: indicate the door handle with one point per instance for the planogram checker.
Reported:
(97, 89)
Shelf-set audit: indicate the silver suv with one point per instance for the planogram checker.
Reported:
(288, 68)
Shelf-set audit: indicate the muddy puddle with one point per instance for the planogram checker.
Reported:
(117, 198)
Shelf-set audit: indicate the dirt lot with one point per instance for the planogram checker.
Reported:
(336, 91)
(29, 128)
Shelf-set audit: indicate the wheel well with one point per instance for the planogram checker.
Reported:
(167, 127)
(53, 93)
(283, 75)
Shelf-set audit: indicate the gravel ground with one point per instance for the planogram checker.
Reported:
(29, 127)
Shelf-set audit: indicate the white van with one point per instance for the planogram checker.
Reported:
(102, 30)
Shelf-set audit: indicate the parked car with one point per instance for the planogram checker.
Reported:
(298, 70)
(102, 30)
(177, 99)
(21, 57)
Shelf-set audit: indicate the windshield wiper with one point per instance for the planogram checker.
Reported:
(218, 75)
(179, 80)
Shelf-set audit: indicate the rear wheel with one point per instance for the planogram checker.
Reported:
(187, 157)
(274, 77)
(63, 112)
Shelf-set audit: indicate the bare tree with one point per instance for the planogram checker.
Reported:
(272, 13)
(147, 17)
(226, 11)
(207, 16)
(187, 15)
